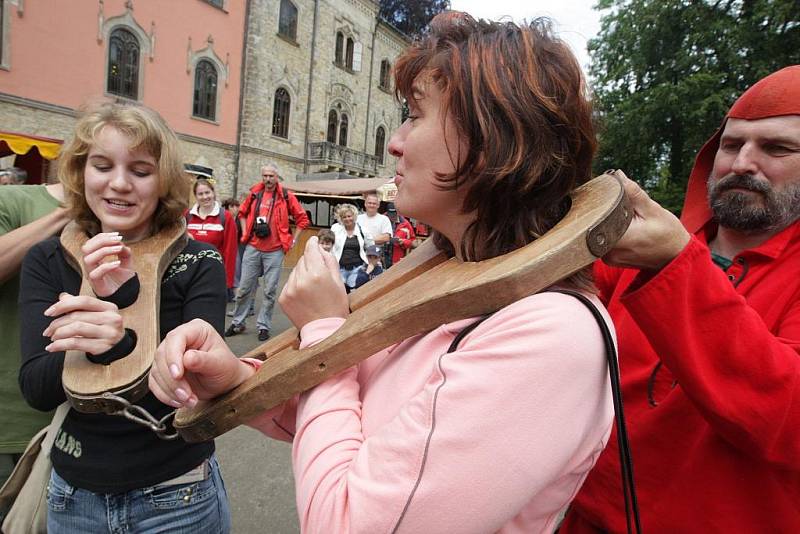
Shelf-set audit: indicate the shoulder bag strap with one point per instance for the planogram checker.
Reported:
(55, 424)
(466, 330)
(625, 459)
(271, 206)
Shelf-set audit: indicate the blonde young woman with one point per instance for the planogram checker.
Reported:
(123, 182)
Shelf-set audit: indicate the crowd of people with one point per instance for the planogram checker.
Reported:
(501, 423)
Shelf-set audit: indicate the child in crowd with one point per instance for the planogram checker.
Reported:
(373, 267)
(326, 239)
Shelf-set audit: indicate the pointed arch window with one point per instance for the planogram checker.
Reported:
(287, 20)
(205, 90)
(339, 57)
(380, 144)
(123, 64)
(280, 113)
(333, 124)
(343, 130)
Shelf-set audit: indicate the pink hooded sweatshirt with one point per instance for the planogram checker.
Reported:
(497, 436)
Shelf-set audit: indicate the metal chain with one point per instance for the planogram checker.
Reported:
(137, 414)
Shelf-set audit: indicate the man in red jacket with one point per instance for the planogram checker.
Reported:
(402, 239)
(265, 214)
(708, 322)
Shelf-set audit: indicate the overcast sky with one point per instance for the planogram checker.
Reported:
(575, 20)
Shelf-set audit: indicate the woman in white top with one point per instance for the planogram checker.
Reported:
(351, 240)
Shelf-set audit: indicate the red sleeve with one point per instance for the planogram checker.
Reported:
(406, 238)
(297, 212)
(742, 377)
(229, 248)
(244, 209)
(606, 279)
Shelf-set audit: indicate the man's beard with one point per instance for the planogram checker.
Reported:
(744, 212)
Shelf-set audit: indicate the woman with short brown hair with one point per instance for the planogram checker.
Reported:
(481, 425)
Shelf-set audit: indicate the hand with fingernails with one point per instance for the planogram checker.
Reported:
(106, 277)
(83, 323)
(314, 289)
(194, 362)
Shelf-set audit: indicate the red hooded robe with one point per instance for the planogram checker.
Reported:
(710, 364)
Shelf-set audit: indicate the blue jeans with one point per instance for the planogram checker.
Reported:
(237, 275)
(193, 508)
(254, 264)
(349, 275)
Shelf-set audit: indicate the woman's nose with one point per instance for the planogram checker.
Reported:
(119, 179)
(397, 140)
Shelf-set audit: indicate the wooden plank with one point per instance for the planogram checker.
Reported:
(446, 292)
(422, 259)
(84, 381)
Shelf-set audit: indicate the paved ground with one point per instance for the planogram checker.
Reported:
(257, 470)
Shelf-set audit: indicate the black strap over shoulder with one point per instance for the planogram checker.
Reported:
(625, 459)
(466, 330)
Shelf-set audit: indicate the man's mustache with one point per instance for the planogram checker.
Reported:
(742, 181)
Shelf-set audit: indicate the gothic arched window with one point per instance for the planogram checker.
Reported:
(205, 90)
(280, 113)
(343, 130)
(123, 64)
(380, 143)
(333, 124)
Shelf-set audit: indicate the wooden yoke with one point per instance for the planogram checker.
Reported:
(85, 382)
(450, 291)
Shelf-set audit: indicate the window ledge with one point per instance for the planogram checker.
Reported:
(385, 89)
(204, 119)
(123, 99)
(344, 68)
(288, 39)
(281, 139)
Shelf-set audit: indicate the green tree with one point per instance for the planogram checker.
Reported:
(411, 16)
(665, 72)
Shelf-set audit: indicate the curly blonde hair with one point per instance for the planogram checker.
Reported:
(146, 130)
(340, 209)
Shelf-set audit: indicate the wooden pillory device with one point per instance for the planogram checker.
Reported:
(86, 383)
(418, 294)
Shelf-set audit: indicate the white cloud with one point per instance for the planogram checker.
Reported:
(575, 20)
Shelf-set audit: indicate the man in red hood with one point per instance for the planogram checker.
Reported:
(708, 322)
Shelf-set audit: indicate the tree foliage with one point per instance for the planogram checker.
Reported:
(411, 16)
(665, 72)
